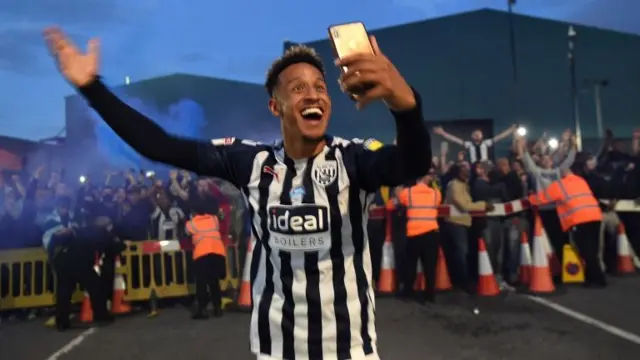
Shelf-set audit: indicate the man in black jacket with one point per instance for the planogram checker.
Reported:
(512, 225)
(72, 257)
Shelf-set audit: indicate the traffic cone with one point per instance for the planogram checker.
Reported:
(541, 282)
(524, 271)
(625, 258)
(244, 296)
(387, 281)
(86, 312)
(552, 258)
(487, 284)
(443, 281)
(119, 305)
(421, 282)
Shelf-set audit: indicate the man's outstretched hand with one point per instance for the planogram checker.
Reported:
(77, 67)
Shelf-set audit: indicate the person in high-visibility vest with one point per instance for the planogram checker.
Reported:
(209, 255)
(580, 216)
(423, 236)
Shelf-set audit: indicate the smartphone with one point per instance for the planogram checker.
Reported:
(348, 39)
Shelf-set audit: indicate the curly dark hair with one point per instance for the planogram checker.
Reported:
(294, 55)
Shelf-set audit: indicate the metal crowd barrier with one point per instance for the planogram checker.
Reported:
(27, 280)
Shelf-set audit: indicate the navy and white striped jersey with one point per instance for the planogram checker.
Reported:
(479, 151)
(311, 267)
(311, 281)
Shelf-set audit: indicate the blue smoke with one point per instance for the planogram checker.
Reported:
(184, 118)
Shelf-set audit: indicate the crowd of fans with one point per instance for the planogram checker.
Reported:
(473, 181)
(141, 205)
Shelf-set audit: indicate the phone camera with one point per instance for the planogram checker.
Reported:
(336, 34)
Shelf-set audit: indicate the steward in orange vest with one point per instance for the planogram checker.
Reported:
(423, 237)
(580, 216)
(209, 255)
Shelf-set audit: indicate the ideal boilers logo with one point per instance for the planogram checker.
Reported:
(299, 227)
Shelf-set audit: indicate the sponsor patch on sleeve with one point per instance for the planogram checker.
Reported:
(223, 141)
(372, 144)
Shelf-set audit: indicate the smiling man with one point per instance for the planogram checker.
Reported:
(308, 194)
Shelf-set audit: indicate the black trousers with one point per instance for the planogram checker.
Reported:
(376, 230)
(398, 231)
(71, 271)
(631, 222)
(107, 275)
(587, 238)
(423, 248)
(209, 270)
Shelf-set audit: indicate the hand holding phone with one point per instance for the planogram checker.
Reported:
(348, 40)
(367, 74)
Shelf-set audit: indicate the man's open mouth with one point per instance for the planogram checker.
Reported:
(312, 113)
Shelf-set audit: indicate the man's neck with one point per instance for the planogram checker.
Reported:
(299, 148)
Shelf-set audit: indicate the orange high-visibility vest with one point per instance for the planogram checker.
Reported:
(422, 204)
(574, 200)
(205, 234)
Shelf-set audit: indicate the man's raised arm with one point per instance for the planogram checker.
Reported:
(81, 69)
(393, 165)
(229, 159)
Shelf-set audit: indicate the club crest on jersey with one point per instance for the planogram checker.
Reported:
(224, 141)
(325, 173)
(372, 144)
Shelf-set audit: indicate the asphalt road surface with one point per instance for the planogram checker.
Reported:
(580, 324)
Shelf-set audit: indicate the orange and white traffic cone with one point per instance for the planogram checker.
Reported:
(487, 284)
(119, 305)
(443, 281)
(86, 311)
(421, 282)
(625, 264)
(552, 258)
(524, 271)
(541, 282)
(387, 282)
(244, 296)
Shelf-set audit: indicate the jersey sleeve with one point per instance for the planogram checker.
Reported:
(230, 159)
(392, 165)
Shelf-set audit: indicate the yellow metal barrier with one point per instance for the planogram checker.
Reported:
(168, 274)
(26, 279)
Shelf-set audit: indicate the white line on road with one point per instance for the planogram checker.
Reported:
(72, 344)
(587, 319)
